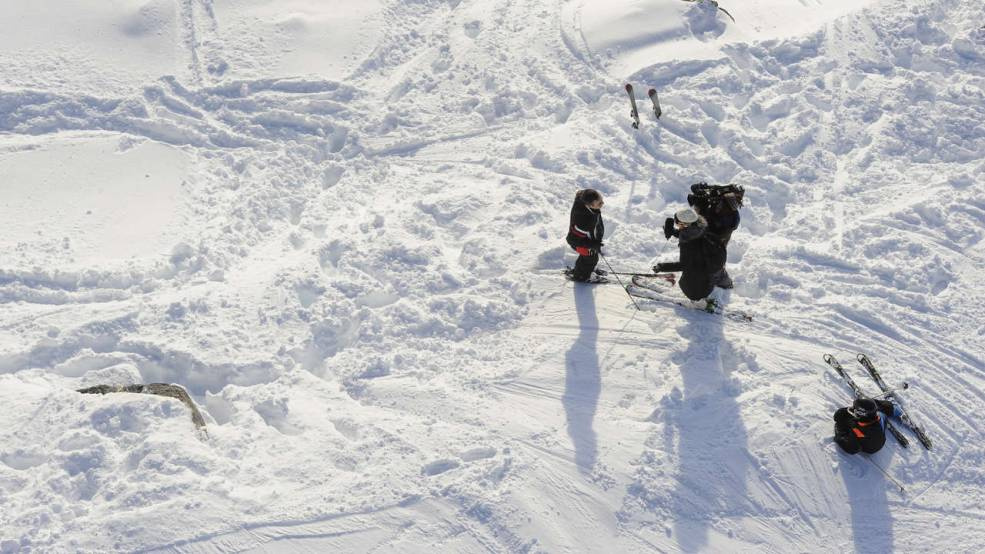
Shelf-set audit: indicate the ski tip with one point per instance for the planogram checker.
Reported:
(629, 87)
(651, 92)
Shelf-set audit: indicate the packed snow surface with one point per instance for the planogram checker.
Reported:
(339, 225)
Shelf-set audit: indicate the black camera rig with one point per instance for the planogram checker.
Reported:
(707, 197)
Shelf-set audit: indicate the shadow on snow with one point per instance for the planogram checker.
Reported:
(583, 381)
(711, 440)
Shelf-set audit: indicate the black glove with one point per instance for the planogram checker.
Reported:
(669, 227)
(843, 418)
(596, 244)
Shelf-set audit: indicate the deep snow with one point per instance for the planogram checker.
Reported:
(340, 227)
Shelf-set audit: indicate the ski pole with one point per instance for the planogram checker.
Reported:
(886, 473)
(619, 280)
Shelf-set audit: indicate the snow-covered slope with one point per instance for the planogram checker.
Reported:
(340, 228)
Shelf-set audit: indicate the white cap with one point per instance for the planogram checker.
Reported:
(686, 215)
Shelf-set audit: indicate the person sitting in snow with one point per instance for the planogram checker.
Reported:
(862, 428)
(702, 257)
(585, 232)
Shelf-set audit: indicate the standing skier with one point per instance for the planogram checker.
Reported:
(585, 232)
(702, 257)
(862, 428)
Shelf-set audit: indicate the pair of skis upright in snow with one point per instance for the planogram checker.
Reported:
(634, 112)
(888, 392)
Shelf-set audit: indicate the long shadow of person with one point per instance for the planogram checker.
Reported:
(712, 446)
(583, 381)
(872, 524)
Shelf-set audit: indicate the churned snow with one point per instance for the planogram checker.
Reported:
(339, 225)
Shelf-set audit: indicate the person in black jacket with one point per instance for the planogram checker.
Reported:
(585, 232)
(862, 428)
(702, 257)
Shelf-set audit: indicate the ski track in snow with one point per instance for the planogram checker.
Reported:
(360, 289)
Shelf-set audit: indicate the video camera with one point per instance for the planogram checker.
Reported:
(707, 198)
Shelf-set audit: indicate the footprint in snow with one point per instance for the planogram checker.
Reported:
(479, 453)
(439, 466)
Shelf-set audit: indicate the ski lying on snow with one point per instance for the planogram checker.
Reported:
(654, 286)
(601, 274)
(905, 417)
(648, 288)
(831, 361)
(668, 277)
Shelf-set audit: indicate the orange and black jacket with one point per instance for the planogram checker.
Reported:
(585, 231)
(854, 435)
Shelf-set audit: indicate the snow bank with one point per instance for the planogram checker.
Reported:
(626, 35)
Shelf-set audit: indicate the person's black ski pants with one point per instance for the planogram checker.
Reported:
(584, 266)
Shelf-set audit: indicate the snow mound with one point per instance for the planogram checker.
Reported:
(626, 35)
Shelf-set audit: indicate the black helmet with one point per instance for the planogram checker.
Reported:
(864, 409)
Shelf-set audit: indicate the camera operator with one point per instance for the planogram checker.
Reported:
(719, 206)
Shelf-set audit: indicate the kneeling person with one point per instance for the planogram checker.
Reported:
(702, 257)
